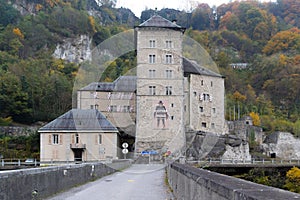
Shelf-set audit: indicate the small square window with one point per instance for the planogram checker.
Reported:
(212, 125)
(203, 124)
(214, 110)
(201, 109)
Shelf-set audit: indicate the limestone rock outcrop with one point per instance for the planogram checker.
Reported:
(282, 144)
(75, 49)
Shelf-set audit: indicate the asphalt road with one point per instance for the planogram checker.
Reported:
(139, 182)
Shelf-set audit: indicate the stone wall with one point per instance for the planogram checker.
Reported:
(192, 183)
(244, 129)
(46, 181)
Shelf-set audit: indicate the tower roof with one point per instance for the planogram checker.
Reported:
(77, 120)
(160, 22)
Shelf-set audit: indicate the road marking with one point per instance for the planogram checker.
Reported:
(130, 181)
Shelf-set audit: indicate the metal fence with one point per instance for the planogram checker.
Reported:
(244, 161)
(34, 163)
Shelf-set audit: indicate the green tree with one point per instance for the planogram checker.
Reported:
(13, 101)
(9, 15)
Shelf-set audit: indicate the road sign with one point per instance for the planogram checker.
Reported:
(125, 145)
(152, 152)
(125, 151)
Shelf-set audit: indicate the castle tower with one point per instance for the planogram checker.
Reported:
(160, 87)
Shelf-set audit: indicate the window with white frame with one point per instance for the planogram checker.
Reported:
(126, 109)
(169, 73)
(152, 59)
(205, 97)
(152, 90)
(168, 90)
(113, 108)
(151, 73)
(168, 44)
(55, 139)
(152, 43)
(168, 59)
(77, 138)
(99, 139)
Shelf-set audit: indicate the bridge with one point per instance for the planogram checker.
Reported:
(123, 180)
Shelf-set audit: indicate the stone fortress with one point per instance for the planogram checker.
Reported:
(170, 95)
(173, 105)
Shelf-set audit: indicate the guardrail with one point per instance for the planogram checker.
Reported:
(35, 162)
(248, 162)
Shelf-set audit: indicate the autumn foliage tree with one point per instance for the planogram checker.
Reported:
(255, 118)
(284, 41)
(293, 180)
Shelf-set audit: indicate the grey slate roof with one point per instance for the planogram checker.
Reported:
(192, 67)
(80, 120)
(158, 21)
(121, 84)
(128, 83)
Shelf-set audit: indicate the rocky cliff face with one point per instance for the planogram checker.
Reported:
(75, 49)
(24, 7)
(209, 145)
(283, 144)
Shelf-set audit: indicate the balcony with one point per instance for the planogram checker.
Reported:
(77, 146)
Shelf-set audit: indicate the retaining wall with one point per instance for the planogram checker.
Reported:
(189, 183)
(46, 181)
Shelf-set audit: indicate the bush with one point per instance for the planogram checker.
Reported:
(292, 182)
(5, 121)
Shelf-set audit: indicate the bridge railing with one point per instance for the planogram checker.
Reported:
(35, 162)
(244, 161)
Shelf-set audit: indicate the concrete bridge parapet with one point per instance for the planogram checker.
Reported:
(38, 183)
(192, 183)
